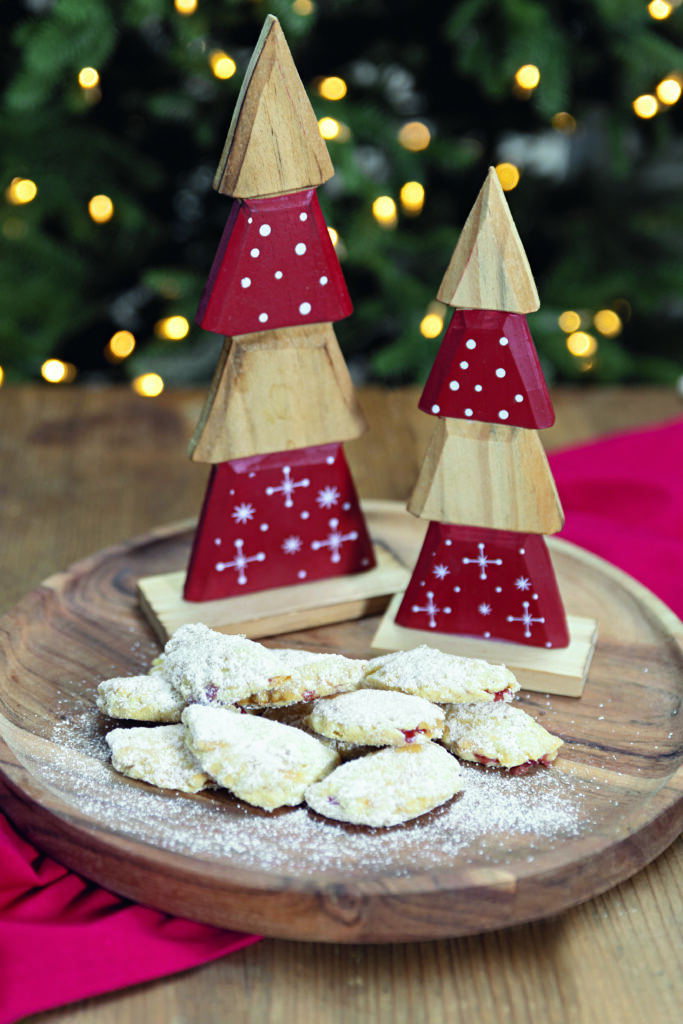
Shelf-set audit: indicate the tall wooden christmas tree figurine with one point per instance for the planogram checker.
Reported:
(485, 485)
(280, 508)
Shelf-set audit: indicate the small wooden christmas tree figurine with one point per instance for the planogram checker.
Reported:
(485, 485)
(280, 507)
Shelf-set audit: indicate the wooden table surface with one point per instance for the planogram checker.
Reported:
(86, 468)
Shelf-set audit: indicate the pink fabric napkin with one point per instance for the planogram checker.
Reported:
(63, 939)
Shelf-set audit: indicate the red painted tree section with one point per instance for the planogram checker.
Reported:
(485, 583)
(276, 520)
(487, 369)
(275, 267)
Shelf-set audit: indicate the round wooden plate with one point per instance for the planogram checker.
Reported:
(505, 852)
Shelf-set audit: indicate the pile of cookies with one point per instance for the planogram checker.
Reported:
(366, 742)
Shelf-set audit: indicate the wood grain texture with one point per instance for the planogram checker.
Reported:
(83, 624)
(273, 144)
(489, 268)
(484, 474)
(262, 400)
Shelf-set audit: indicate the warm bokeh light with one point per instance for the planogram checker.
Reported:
(329, 128)
(54, 371)
(384, 211)
(431, 325)
(185, 6)
(659, 9)
(20, 191)
(563, 122)
(580, 343)
(334, 235)
(412, 196)
(120, 346)
(88, 78)
(569, 321)
(149, 385)
(528, 76)
(222, 65)
(332, 88)
(101, 209)
(2, 376)
(173, 328)
(303, 7)
(646, 106)
(608, 323)
(415, 136)
(669, 90)
(508, 176)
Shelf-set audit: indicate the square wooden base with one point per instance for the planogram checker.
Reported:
(562, 670)
(280, 610)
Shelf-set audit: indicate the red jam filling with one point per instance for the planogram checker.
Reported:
(307, 696)
(522, 769)
(410, 734)
(211, 692)
(486, 760)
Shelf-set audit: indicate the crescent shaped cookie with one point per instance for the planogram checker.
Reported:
(498, 735)
(439, 677)
(377, 718)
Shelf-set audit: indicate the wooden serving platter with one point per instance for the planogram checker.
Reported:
(508, 850)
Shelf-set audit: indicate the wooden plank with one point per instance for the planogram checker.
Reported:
(489, 268)
(561, 671)
(278, 610)
(274, 143)
(274, 391)
(490, 475)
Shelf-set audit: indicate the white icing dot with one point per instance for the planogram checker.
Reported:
(447, 611)
(323, 280)
(305, 514)
(548, 643)
(264, 230)
(245, 282)
(334, 523)
(263, 527)
(503, 414)
(469, 412)
(500, 372)
(232, 492)
(346, 506)
(456, 590)
(278, 275)
(305, 307)
(454, 385)
(263, 318)
(499, 590)
(464, 365)
(487, 635)
(250, 221)
(303, 216)
(436, 409)
(534, 597)
(251, 475)
(502, 341)
(216, 540)
(519, 398)
(477, 387)
(330, 460)
(300, 248)
(301, 574)
(471, 343)
(522, 551)
(255, 253)
(448, 542)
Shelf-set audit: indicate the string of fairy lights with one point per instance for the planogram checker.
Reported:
(581, 328)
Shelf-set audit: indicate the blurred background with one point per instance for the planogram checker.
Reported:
(113, 118)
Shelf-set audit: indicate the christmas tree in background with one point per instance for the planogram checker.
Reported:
(110, 114)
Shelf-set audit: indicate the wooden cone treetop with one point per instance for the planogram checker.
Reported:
(274, 143)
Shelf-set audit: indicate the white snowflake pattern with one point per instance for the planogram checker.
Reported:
(522, 583)
(483, 561)
(441, 571)
(431, 609)
(291, 545)
(328, 497)
(243, 513)
(484, 609)
(287, 486)
(526, 617)
(240, 561)
(334, 540)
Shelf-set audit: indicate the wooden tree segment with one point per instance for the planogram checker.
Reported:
(483, 474)
(273, 144)
(277, 520)
(275, 267)
(487, 369)
(489, 268)
(492, 584)
(275, 391)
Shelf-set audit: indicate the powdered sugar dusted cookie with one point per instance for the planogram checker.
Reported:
(149, 698)
(377, 718)
(305, 676)
(263, 762)
(439, 677)
(157, 755)
(388, 787)
(498, 734)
